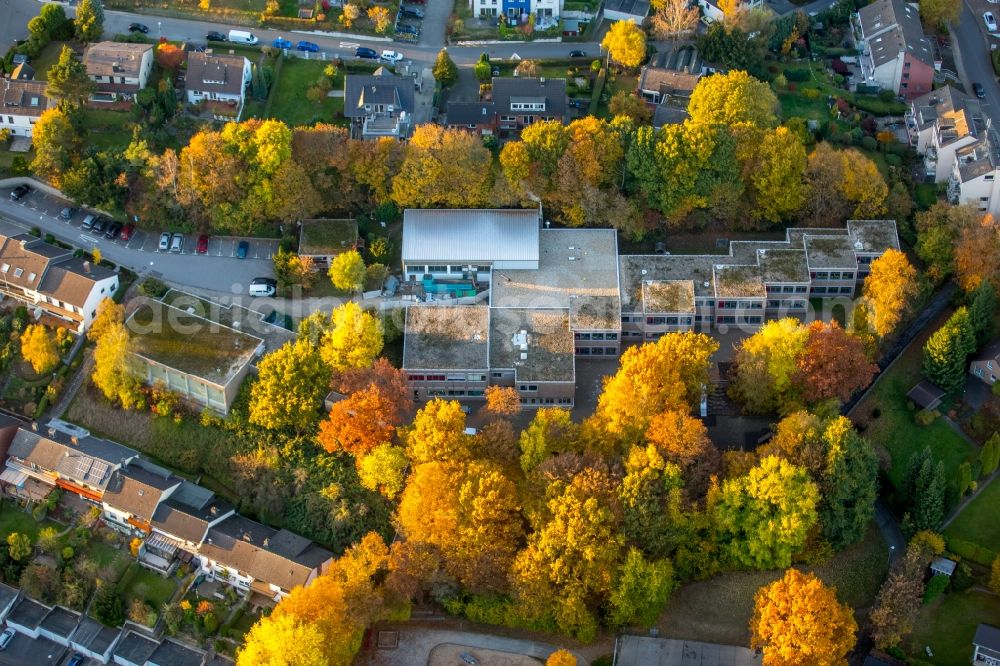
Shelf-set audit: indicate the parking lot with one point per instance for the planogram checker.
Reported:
(145, 241)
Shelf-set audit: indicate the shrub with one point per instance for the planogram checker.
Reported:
(797, 75)
(962, 579)
(153, 288)
(869, 143)
(925, 417)
(67, 553)
(211, 623)
(893, 160)
(936, 585)
(968, 550)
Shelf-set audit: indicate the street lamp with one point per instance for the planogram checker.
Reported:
(159, 30)
(892, 549)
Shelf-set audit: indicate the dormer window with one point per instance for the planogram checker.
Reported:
(31, 277)
(4, 268)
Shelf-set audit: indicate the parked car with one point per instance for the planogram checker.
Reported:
(67, 213)
(307, 46)
(991, 23)
(19, 192)
(164, 241)
(77, 660)
(468, 659)
(412, 12)
(578, 103)
(138, 27)
(6, 637)
(577, 53)
(202, 247)
(242, 249)
(391, 56)
(114, 230)
(177, 243)
(365, 52)
(214, 36)
(127, 232)
(979, 90)
(88, 222)
(407, 29)
(262, 286)
(101, 225)
(281, 43)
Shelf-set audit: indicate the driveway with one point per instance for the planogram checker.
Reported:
(435, 23)
(217, 271)
(416, 645)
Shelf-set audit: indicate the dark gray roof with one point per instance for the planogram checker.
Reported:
(90, 460)
(174, 654)
(137, 490)
(23, 72)
(274, 556)
(94, 636)
(988, 352)
(7, 595)
(926, 395)
(892, 26)
(134, 648)
(943, 565)
(987, 636)
(219, 660)
(378, 88)
(27, 613)
(193, 495)
(470, 113)
(665, 114)
(60, 621)
(506, 88)
(637, 8)
(187, 522)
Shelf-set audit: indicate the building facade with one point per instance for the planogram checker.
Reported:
(119, 69)
(21, 104)
(896, 55)
(218, 80)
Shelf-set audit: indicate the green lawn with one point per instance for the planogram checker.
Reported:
(978, 522)
(718, 610)
(290, 102)
(141, 583)
(108, 129)
(105, 555)
(13, 519)
(47, 58)
(925, 195)
(948, 624)
(888, 421)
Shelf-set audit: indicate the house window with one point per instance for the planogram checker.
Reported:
(437, 269)
(18, 272)
(508, 119)
(415, 378)
(988, 176)
(497, 375)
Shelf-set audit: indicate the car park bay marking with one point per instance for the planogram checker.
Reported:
(349, 45)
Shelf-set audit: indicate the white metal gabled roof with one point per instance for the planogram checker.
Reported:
(470, 235)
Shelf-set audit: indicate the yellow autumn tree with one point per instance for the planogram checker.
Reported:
(626, 43)
(353, 339)
(108, 314)
(797, 621)
(269, 641)
(731, 99)
(447, 168)
(38, 347)
(890, 289)
(561, 658)
(347, 271)
(379, 16)
(437, 433)
(290, 386)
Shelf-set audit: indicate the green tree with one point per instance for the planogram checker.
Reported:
(18, 546)
(937, 14)
(731, 99)
(767, 367)
(994, 583)
(89, 20)
(765, 516)
(347, 271)
(938, 230)
(352, 340)
(625, 43)
(290, 387)
(989, 456)
(848, 484)
(982, 309)
(641, 590)
(50, 19)
(107, 605)
(963, 478)
(552, 430)
(68, 81)
(924, 490)
(946, 350)
(445, 71)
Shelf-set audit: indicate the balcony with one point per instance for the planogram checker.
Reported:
(954, 190)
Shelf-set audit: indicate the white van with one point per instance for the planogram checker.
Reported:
(242, 37)
(262, 287)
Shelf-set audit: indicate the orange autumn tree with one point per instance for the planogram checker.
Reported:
(359, 423)
(977, 254)
(890, 290)
(797, 621)
(561, 658)
(833, 365)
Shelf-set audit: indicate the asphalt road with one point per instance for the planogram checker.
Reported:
(971, 39)
(218, 270)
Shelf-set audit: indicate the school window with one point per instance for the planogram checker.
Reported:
(611, 336)
(801, 290)
(655, 321)
(416, 378)
(848, 276)
(847, 290)
(819, 290)
(528, 387)
(437, 269)
(435, 378)
(773, 304)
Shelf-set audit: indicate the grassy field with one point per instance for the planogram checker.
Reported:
(107, 556)
(47, 58)
(141, 583)
(290, 103)
(719, 610)
(948, 624)
(107, 129)
(13, 519)
(894, 427)
(978, 521)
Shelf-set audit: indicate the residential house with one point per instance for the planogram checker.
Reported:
(133, 495)
(626, 10)
(712, 11)
(257, 558)
(546, 12)
(180, 523)
(379, 105)
(478, 117)
(519, 101)
(942, 566)
(220, 81)
(322, 240)
(986, 363)
(23, 72)
(133, 649)
(667, 85)
(54, 284)
(974, 179)
(119, 69)
(22, 102)
(895, 53)
(209, 373)
(93, 640)
(79, 463)
(986, 646)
